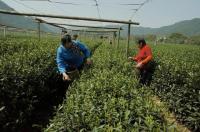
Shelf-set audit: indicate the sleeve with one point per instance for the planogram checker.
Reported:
(149, 56)
(135, 58)
(84, 49)
(62, 66)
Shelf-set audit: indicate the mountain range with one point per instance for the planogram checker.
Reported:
(186, 27)
(22, 21)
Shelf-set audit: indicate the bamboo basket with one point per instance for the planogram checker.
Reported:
(73, 74)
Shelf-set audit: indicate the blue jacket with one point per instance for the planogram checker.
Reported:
(66, 58)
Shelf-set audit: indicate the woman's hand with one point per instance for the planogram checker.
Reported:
(130, 58)
(66, 77)
(89, 61)
(139, 65)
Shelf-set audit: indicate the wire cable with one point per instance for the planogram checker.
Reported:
(25, 5)
(97, 6)
(58, 2)
(136, 10)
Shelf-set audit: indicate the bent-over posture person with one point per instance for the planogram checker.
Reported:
(71, 55)
(145, 63)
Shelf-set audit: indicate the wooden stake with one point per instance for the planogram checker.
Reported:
(4, 32)
(114, 39)
(39, 31)
(118, 38)
(128, 39)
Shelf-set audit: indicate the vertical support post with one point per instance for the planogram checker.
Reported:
(114, 39)
(128, 39)
(118, 38)
(61, 33)
(4, 32)
(39, 31)
(110, 39)
(84, 32)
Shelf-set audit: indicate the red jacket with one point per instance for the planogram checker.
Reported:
(144, 55)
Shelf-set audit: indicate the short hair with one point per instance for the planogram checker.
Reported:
(142, 41)
(66, 39)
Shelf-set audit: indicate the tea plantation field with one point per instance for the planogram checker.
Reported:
(107, 96)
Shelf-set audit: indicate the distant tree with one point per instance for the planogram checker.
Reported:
(177, 38)
(150, 37)
(194, 40)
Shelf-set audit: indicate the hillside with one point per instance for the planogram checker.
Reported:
(21, 21)
(187, 27)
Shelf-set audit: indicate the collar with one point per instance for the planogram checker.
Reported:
(63, 47)
(143, 46)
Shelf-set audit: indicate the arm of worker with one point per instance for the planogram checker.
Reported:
(62, 66)
(148, 59)
(84, 49)
(149, 56)
(86, 52)
(134, 58)
(145, 61)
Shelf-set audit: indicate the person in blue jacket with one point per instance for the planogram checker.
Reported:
(71, 55)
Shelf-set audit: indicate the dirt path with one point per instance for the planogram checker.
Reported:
(169, 116)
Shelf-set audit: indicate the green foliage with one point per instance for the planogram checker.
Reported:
(25, 67)
(194, 40)
(177, 81)
(150, 37)
(28, 76)
(108, 98)
(176, 38)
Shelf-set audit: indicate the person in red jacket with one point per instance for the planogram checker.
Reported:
(145, 63)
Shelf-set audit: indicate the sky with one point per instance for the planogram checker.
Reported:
(154, 13)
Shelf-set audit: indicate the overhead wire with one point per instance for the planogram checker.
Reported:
(136, 10)
(98, 10)
(25, 5)
(52, 3)
(97, 6)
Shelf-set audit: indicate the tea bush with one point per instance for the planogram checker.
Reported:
(177, 81)
(108, 98)
(28, 76)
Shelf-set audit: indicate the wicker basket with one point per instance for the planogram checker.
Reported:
(73, 74)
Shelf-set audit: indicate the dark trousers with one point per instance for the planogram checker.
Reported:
(62, 87)
(146, 73)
